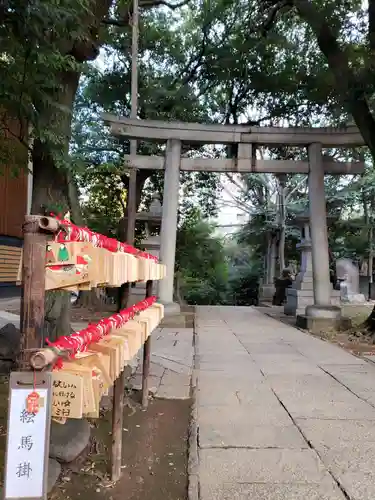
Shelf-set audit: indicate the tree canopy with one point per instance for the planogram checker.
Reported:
(273, 62)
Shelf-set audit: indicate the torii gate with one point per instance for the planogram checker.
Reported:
(247, 138)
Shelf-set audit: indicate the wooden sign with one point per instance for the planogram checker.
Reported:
(26, 465)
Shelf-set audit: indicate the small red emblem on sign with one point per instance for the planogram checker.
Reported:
(32, 402)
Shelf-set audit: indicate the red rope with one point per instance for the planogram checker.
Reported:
(71, 232)
(80, 341)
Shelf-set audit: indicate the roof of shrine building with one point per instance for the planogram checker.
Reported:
(346, 136)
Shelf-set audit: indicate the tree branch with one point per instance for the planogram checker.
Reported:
(171, 5)
(296, 187)
(143, 4)
(235, 183)
(197, 60)
(349, 87)
(274, 9)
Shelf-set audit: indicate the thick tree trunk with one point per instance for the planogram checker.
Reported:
(54, 188)
(51, 193)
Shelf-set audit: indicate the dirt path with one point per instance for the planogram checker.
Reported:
(353, 340)
(154, 457)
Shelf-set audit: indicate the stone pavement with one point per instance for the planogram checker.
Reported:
(171, 363)
(280, 414)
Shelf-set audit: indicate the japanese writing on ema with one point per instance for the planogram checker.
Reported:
(67, 392)
(24, 476)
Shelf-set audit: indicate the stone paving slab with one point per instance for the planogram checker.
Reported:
(154, 383)
(306, 387)
(172, 378)
(349, 458)
(297, 368)
(331, 410)
(171, 364)
(234, 393)
(173, 391)
(242, 433)
(280, 414)
(331, 433)
(224, 421)
(316, 396)
(261, 466)
(174, 366)
(358, 486)
(361, 367)
(229, 491)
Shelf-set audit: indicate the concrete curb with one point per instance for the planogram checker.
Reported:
(193, 456)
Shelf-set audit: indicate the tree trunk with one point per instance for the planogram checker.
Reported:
(51, 193)
(281, 216)
(282, 248)
(142, 177)
(268, 259)
(124, 290)
(273, 250)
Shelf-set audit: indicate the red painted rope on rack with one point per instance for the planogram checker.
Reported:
(80, 341)
(71, 232)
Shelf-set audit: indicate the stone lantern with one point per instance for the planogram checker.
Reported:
(301, 294)
(151, 242)
(152, 219)
(304, 279)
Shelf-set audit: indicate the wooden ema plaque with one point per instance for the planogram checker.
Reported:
(78, 387)
(81, 266)
(68, 264)
(75, 266)
(67, 395)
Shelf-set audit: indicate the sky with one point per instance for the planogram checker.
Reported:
(229, 216)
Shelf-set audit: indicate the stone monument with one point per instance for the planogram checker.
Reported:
(348, 275)
(301, 294)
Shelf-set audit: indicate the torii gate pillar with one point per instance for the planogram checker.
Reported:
(169, 222)
(322, 311)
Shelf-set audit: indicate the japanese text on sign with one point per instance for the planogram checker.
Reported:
(24, 477)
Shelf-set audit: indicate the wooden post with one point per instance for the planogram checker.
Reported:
(35, 234)
(146, 357)
(119, 386)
